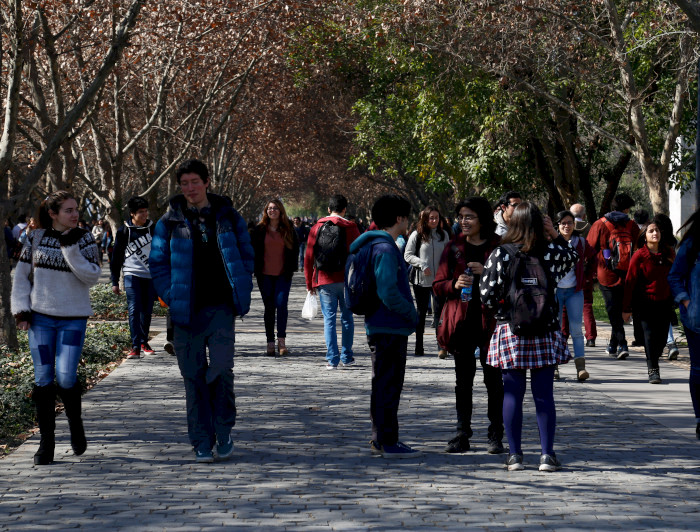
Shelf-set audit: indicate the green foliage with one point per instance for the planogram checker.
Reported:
(104, 345)
(108, 306)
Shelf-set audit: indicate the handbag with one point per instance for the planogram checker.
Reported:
(454, 311)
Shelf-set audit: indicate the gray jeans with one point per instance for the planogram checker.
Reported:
(211, 403)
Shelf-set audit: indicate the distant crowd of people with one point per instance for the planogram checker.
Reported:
(506, 286)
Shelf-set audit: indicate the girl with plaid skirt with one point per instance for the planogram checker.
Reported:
(533, 235)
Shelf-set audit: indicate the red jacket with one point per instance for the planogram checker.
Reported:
(647, 278)
(312, 280)
(599, 239)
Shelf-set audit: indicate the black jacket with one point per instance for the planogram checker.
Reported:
(291, 255)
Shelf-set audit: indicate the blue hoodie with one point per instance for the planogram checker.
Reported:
(396, 314)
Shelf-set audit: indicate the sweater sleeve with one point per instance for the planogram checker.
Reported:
(444, 282)
(631, 281)
(20, 298)
(492, 280)
(560, 258)
(385, 268)
(81, 256)
(412, 254)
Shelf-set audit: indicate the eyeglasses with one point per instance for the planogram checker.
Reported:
(566, 223)
(514, 205)
(467, 218)
(273, 208)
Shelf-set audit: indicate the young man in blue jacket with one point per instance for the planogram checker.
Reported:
(202, 267)
(389, 327)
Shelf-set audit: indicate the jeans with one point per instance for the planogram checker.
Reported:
(613, 296)
(573, 300)
(274, 290)
(211, 403)
(331, 297)
(694, 382)
(56, 346)
(388, 371)
(542, 387)
(422, 295)
(302, 252)
(140, 294)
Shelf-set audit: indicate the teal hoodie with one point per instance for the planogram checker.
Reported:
(396, 314)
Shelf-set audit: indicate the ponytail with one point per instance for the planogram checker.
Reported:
(53, 203)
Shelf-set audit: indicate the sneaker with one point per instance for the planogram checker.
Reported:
(146, 349)
(169, 348)
(622, 352)
(672, 351)
(349, 363)
(399, 450)
(442, 353)
(458, 444)
(495, 446)
(331, 366)
(375, 448)
(515, 462)
(654, 376)
(549, 463)
(611, 351)
(204, 456)
(134, 353)
(556, 374)
(224, 450)
(590, 343)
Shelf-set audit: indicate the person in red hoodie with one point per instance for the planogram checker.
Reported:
(324, 270)
(647, 291)
(613, 261)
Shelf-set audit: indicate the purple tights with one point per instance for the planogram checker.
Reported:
(542, 385)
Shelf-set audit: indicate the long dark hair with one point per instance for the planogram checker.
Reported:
(286, 229)
(526, 227)
(52, 203)
(692, 231)
(484, 212)
(422, 225)
(667, 242)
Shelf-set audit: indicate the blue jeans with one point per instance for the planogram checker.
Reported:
(573, 301)
(56, 345)
(211, 403)
(274, 290)
(139, 295)
(302, 252)
(331, 296)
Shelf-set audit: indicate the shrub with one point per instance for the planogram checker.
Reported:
(109, 306)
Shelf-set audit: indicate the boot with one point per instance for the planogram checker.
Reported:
(582, 374)
(45, 401)
(72, 402)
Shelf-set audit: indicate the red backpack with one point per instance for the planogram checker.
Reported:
(620, 244)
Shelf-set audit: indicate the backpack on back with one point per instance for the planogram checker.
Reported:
(330, 249)
(530, 301)
(620, 244)
(360, 283)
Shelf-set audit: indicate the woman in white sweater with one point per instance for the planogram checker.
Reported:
(423, 251)
(51, 299)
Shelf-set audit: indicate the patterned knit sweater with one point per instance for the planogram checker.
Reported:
(65, 267)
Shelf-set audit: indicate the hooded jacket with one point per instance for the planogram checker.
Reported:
(396, 313)
(599, 239)
(172, 256)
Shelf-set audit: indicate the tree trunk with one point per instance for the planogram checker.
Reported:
(8, 332)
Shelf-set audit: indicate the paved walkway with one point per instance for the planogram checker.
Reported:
(302, 460)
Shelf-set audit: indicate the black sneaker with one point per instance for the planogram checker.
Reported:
(590, 343)
(495, 446)
(549, 463)
(622, 352)
(611, 350)
(458, 444)
(672, 351)
(654, 376)
(399, 450)
(515, 462)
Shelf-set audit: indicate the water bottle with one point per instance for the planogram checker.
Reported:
(467, 290)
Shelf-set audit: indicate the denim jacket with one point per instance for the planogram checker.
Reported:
(684, 280)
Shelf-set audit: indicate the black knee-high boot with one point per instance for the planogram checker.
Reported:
(72, 401)
(45, 401)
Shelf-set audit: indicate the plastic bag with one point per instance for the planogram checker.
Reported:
(310, 309)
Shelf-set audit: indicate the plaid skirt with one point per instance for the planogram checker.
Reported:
(509, 351)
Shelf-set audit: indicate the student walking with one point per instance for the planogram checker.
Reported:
(276, 249)
(684, 280)
(51, 299)
(422, 253)
(648, 293)
(519, 273)
(469, 250)
(389, 326)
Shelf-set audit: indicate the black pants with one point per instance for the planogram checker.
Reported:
(388, 370)
(613, 296)
(422, 295)
(655, 319)
(465, 370)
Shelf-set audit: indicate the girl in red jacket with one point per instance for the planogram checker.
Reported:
(647, 291)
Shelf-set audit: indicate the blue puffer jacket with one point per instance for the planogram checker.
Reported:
(684, 279)
(171, 257)
(396, 314)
